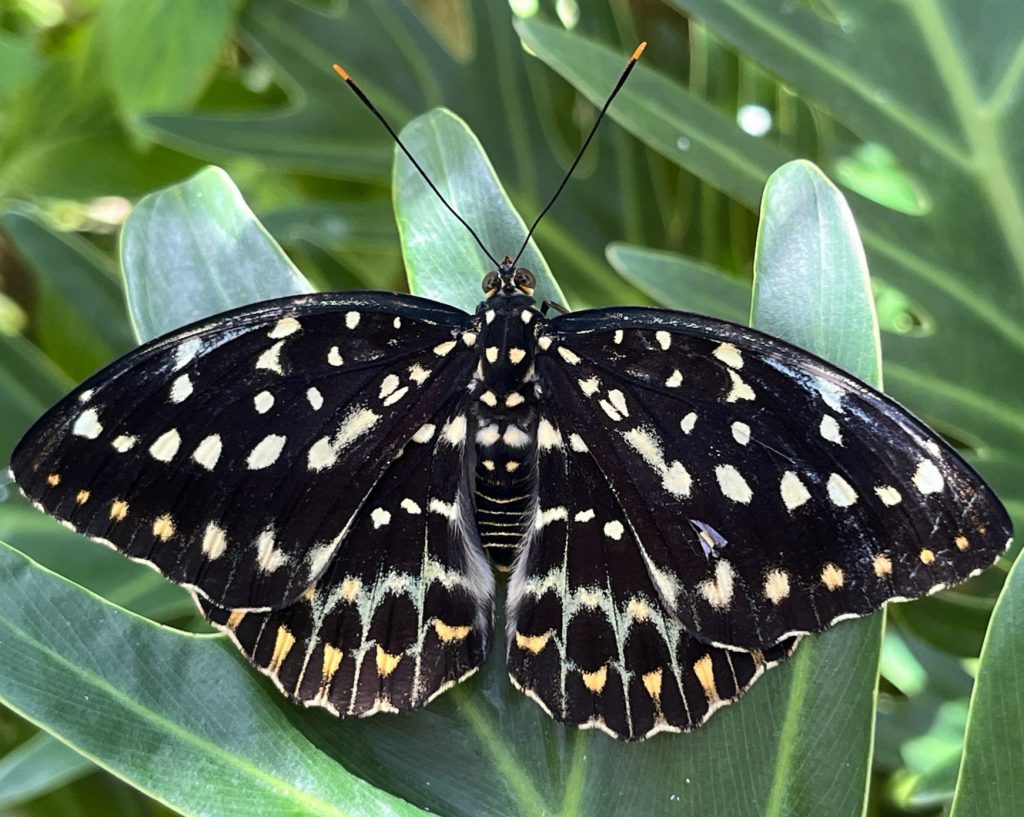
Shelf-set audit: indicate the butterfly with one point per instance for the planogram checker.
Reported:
(677, 500)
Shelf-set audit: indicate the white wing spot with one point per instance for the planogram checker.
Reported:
(559, 514)
(544, 342)
(314, 398)
(488, 435)
(590, 386)
(776, 586)
(516, 437)
(489, 316)
(266, 452)
(841, 492)
(271, 359)
(424, 434)
(576, 444)
(928, 478)
(469, 338)
(444, 348)
(124, 443)
(87, 425)
(166, 446)
(831, 393)
(584, 516)
(568, 355)
(397, 323)
(732, 484)
(208, 452)
(491, 353)
(445, 509)
(398, 395)
(675, 380)
(614, 530)
(688, 422)
(215, 542)
(674, 477)
(268, 558)
(526, 316)
(417, 374)
(718, 591)
(409, 506)
(514, 399)
(664, 340)
(829, 429)
(889, 495)
(618, 400)
(380, 517)
(388, 385)
(741, 433)
(186, 352)
(729, 355)
(351, 319)
(454, 430)
(617, 337)
(794, 492)
(610, 410)
(516, 355)
(548, 436)
(283, 328)
(740, 390)
(334, 357)
(263, 402)
(181, 389)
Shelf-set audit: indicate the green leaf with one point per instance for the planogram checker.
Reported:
(125, 692)
(39, 765)
(990, 781)
(438, 250)
(678, 282)
(160, 54)
(29, 383)
(196, 249)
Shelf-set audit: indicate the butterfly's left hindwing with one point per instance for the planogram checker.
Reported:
(235, 455)
(767, 493)
(404, 610)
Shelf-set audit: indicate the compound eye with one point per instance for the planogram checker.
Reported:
(525, 279)
(491, 282)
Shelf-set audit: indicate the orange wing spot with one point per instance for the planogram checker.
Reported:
(962, 542)
(163, 527)
(118, 510)
(235, 619)
(704, 669)
(283, 644)
(927, 556)
(341, 72)
(447, 632)
(386, 662)
(533, 643)
(595, 681)
(82, 497)
(53, 480)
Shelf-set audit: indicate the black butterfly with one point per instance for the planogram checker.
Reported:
(678, 499)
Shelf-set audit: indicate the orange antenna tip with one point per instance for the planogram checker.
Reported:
(636, 54)
(341, 72)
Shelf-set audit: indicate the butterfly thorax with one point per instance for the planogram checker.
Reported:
(504, 402)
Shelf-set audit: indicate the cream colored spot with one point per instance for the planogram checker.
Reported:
(568, 356)
(544, 343)
(610, 410)
(124, 443)
(208, 452)
(674, 477)
(283, 644)
(526, 316)
(776, 586)
(380, 517)
(718, 592)
(454, 431)
(444, 348)
(271, 358)
(741, 433)
(688, 422)
(533, 643)
(488, 398)
(268, 557)
(388, 385)
(424, 433)
(118, 510)
(704, 669)
(652, 683)
(576, 444)
(448, 633)
(283, 328)
(584, 516)
(614, 530)
(927, 556)
(53, 480)
(675, 380)
(516, 355)
(417, 374)
(548, 436)
(488, 435)
(590, 386)
(729, 355)
(882, 565)
(163, 527)
(332, 661)
(516, 437)
(664, 340)
(491, 353)
(352, 319)
(829, 429)
(595, 681)
(488, 464)
(889, 495)
(732, 484)
(832, 576)
(618, 399)
(514, 399)
(469, 338)
(961, 542)
(442, 508)
(215, 541)
(314, 398)
(350, 589)
(740, 390)
(266, 452)
(334, 357)
(235, 618)
(559, 514)
(166, 446)
(398, 395)
(489, 316)
(186, 352)
(263, 402)
(82, 497)
(794, 492)
(638, 610)
(87, 425)
(181, 389)
(841, 492)
(928, 478)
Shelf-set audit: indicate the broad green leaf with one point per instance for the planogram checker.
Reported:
(437, 248)
(196, 249)
(123, 692)
(29, 383)
(161, 53)
(990, 781)
(39, 765)
(681, 283)
(21, 62)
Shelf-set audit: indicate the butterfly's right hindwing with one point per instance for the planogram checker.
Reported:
(234, 455)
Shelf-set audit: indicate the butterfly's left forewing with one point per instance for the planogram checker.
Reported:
(769, 493)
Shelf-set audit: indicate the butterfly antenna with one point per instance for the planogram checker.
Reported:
(579, 155)
(373, 109)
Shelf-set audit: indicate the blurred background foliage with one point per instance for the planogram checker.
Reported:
(912, 107)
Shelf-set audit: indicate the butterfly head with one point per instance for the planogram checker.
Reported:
(508, 280)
